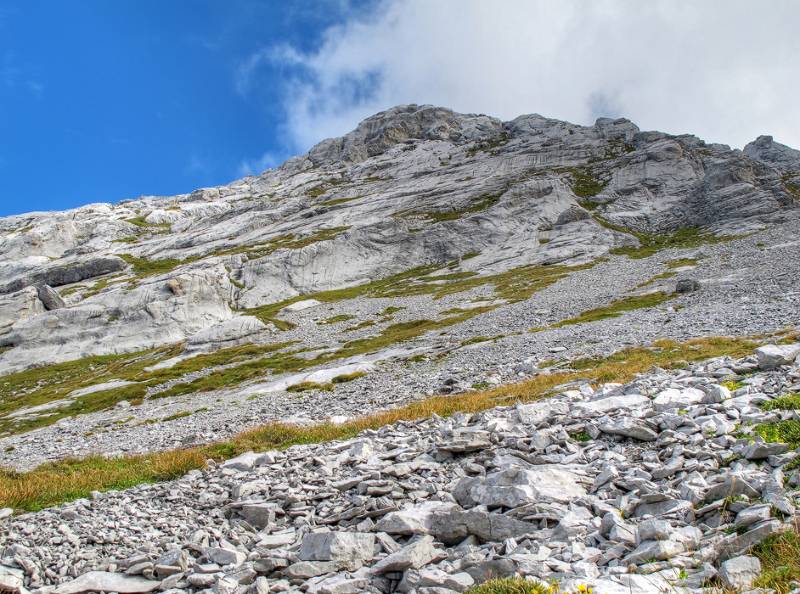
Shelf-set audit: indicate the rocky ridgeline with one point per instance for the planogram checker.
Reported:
(411, 186)
(656, 485)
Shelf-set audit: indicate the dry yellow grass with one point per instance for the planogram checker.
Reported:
(58, 482)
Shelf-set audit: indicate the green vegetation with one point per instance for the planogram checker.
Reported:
(288, 241)
(479, 204)
(131, 239)
(140, 222)
(787, 431)
(581, 436)
(680, 262)
(67, 480)
(617, 308)
(335, 201)
(479, 339)
(650, 244)
(658, 277)
(489, 146)
(360, 326)
(144, 267)
(179, 415)
(584, 184)
(788, 402)
(470, 255)
(324, 187)
(792, 187)
(51, 383)
(348, 377)
(336, 319)
(392, 309)
(103, 283)
(512, 285)
(512, 585)
(44, 385)
(308, 386)
(780, 562)
(732, 385)
(252, 362)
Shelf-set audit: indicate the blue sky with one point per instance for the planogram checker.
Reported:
(102, 100)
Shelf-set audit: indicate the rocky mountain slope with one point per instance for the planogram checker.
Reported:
(424, 253)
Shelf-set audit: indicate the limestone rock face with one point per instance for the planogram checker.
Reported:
(413, 186)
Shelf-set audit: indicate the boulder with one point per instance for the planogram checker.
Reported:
(344, 548)
(49, 297)
(772, 356)
(517, 486)
(104, 581)
(739, 573)
(414, 555)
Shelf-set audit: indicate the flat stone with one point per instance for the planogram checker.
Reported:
(339, 584)
(732, 486)
(340, 547)
(454, 526)
(12, 580)
(763, 450)
(224, 557)
(772, 356)
(739, 573)
(416, 554)
(303, 570)
(672, 398)
(653, 530)
(104, 581)
(608, 404)
(628, 427)
(413, 519)
(517, 486)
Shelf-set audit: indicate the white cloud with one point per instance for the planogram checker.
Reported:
(258, 165)
(725, 70)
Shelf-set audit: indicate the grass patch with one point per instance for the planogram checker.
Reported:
(489, 146)
(479, 339)
(512, 285)
(288, 241)
(732, 385)
(179, 415)
(131, 239)
(656, 278)
(481, 203)
(140, 222)
(50, 383)
(585, 184)
(512, 585)
(788, 402)
(335, 201)
(308, 386)
(652, 243)
(787, 432)
(360, 326)
(680, 262)
(780, 562)
(348, 377)
(581, 436)
(792, 187)
(54, 483)
(336, 319)
(616, 308)
(144, 267)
